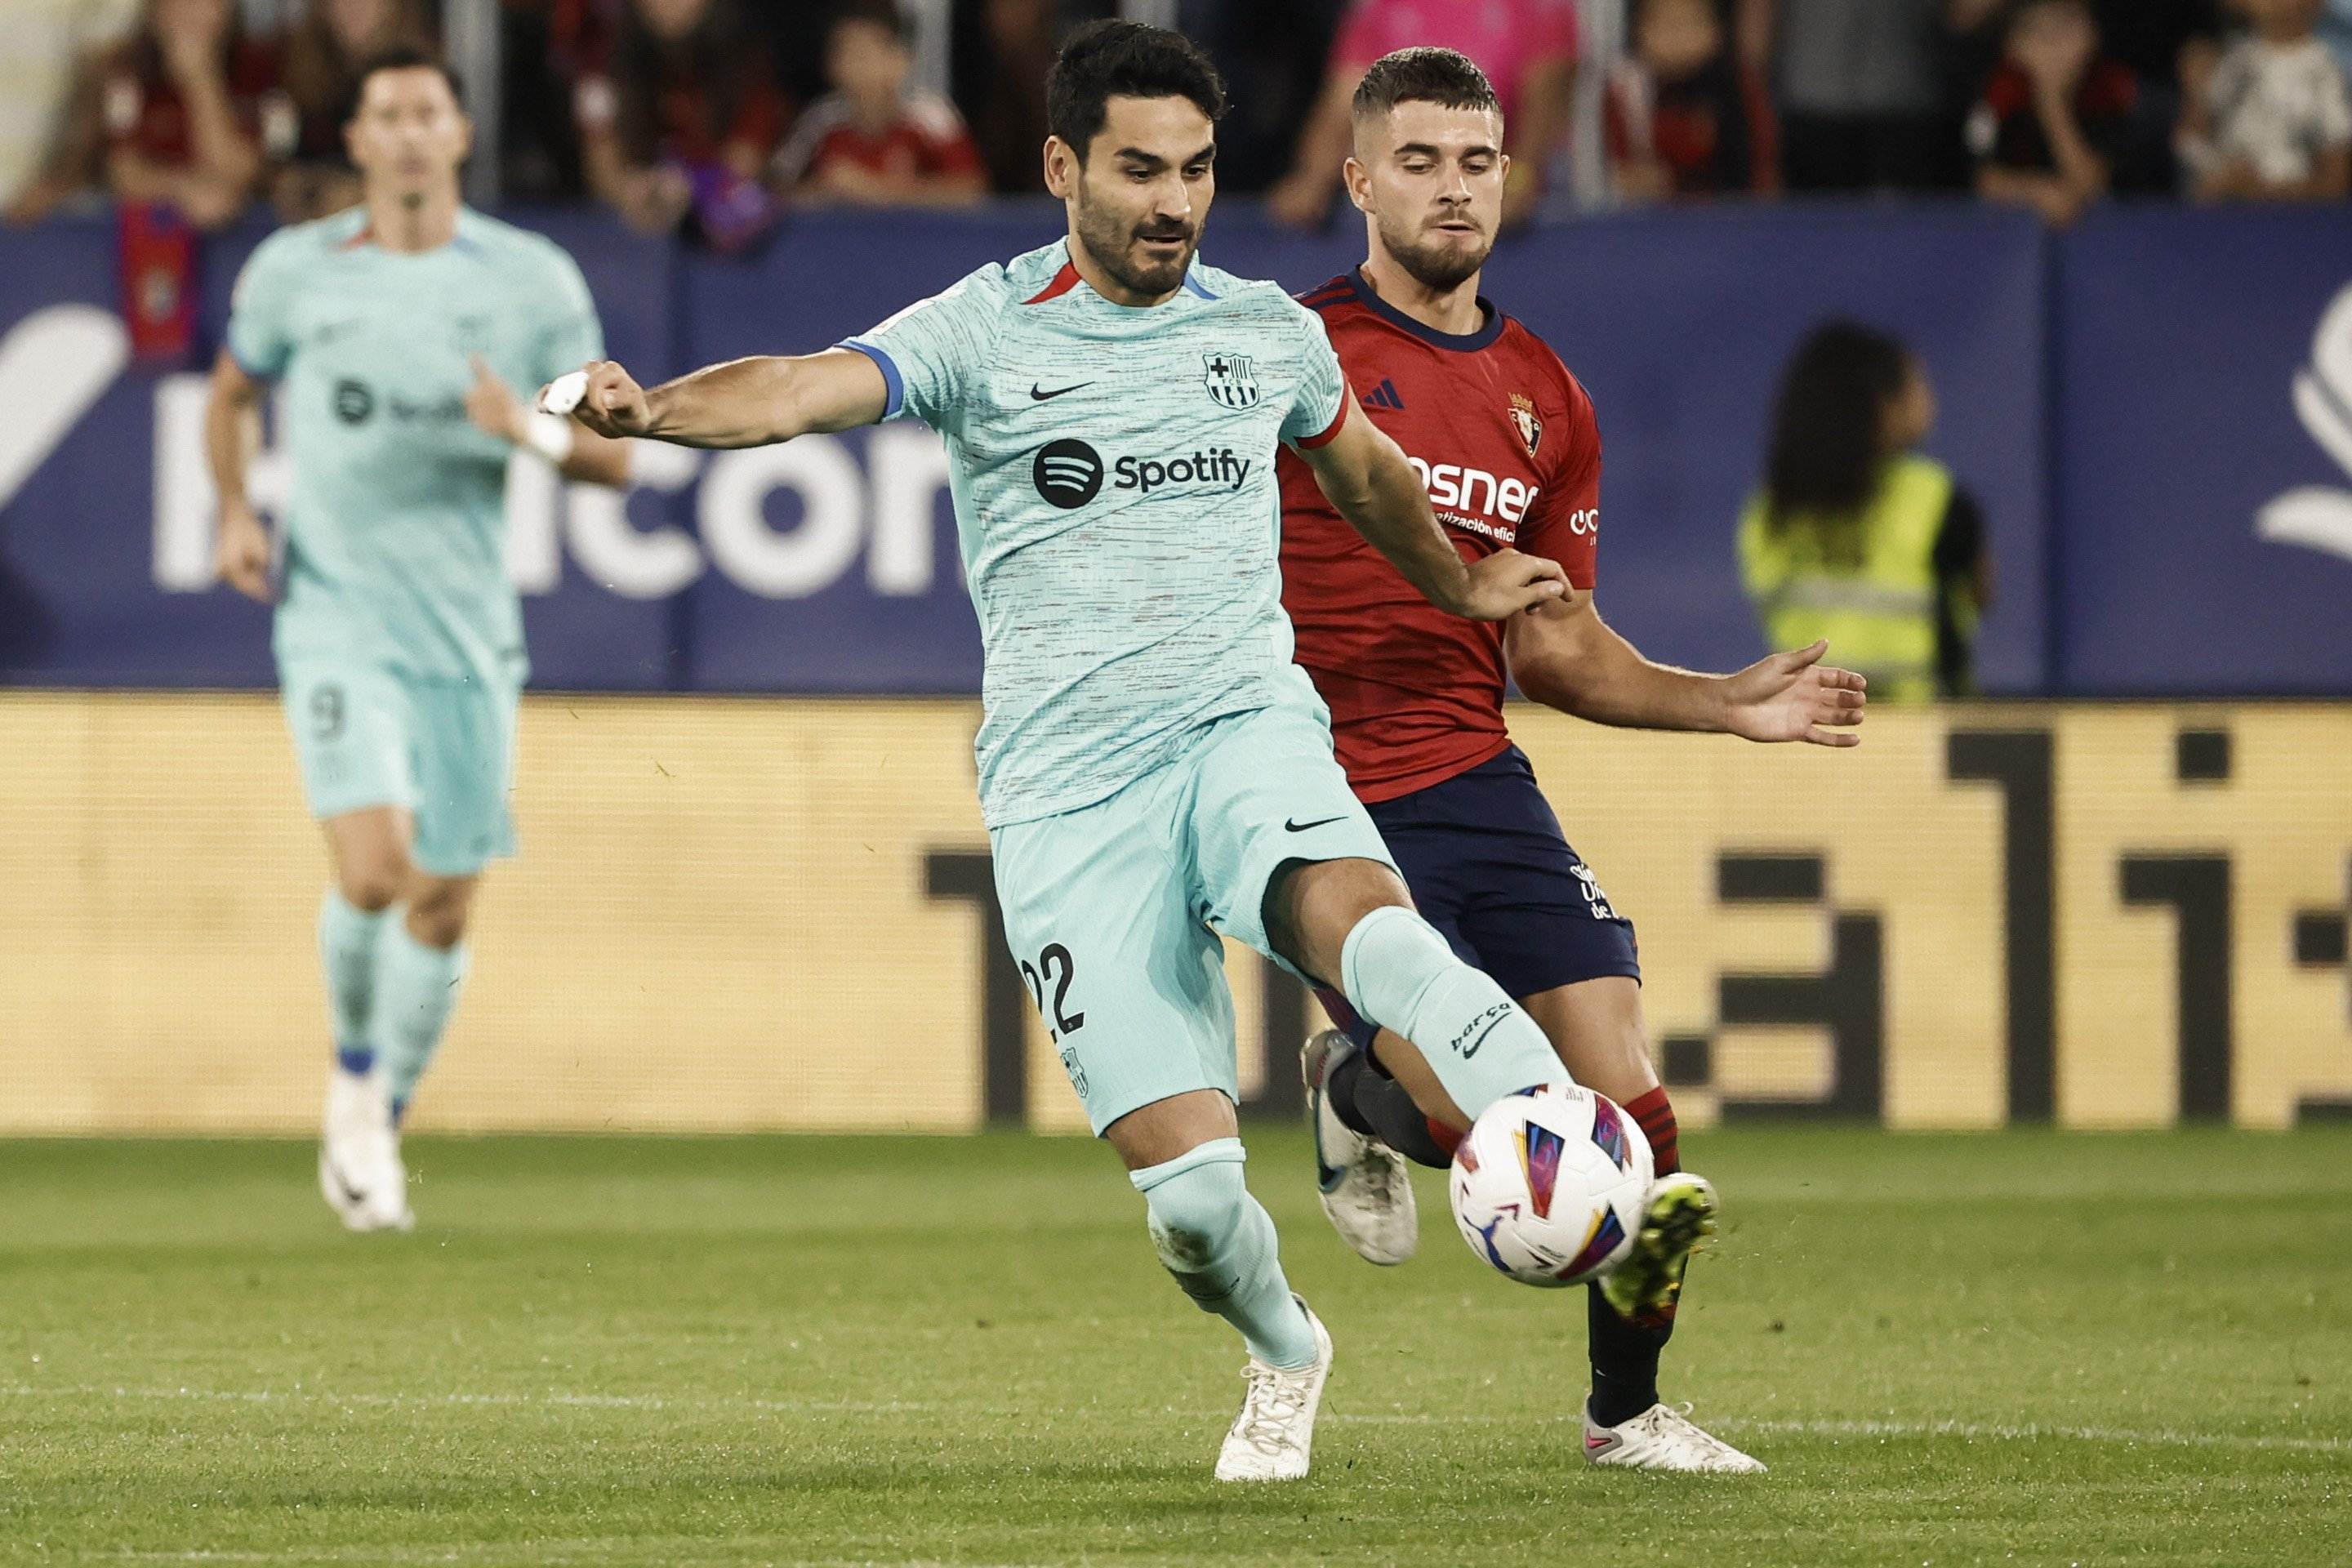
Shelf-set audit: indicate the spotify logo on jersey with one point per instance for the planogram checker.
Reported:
(1069, 473)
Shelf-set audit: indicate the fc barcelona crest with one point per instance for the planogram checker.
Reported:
(1229, 380)
(1523, 415)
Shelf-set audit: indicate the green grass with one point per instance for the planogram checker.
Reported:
(2014, 1349)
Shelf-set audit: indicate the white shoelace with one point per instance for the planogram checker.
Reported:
(1275, 1400)
(1666, 1422)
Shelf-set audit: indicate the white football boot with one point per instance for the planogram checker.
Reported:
(359, 1154)
(1274, 1436)
(1367, 1191)
(1661, 1438)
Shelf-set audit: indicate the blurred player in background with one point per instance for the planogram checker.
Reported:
(1151, 761)
(1507, 441)
(397, 327)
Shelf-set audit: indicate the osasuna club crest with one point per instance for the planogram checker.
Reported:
(1523, 415)
(1229, 381)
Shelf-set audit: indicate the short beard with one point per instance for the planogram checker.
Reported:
(1107, 238)
(1431, 267)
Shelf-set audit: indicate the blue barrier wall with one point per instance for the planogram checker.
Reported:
(2167, 508)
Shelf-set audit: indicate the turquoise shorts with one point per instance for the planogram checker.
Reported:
(368, 735)
(1113, 911)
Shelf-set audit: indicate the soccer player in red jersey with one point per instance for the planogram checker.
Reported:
(1505, 440)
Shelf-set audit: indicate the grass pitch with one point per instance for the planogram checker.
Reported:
(2011, 1349)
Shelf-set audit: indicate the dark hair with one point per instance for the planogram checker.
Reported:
(1442, 77)
(400, 57)
(883, 14)
(1828, 454)
(1104, 61)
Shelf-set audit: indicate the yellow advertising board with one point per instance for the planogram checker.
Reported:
(761, 914)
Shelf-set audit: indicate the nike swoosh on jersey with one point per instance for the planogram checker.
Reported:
(1290, 827)
(1038, 393)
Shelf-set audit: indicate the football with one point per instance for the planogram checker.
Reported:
(1547, 1185)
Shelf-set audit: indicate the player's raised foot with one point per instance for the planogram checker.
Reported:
(360, 1169)
(1679, 1215)
(1367, 1191)
(1274, 1436)
(1661, 1438)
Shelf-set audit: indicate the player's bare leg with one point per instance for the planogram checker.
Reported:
(1596, 1026)
(360, 1172)
(1184, 1154)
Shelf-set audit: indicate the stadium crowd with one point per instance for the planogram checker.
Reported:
(712, 117)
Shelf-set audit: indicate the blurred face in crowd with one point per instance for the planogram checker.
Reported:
(1138, 198)
(672, 20)
(2054, 40)
(1910, 417)
(190, 22)
(1430, 180)
(409, 135)
(2282, 21)
(1679, 38)
(358, 25)
(867, 61)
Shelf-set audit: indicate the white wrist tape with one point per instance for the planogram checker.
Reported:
(549, 437)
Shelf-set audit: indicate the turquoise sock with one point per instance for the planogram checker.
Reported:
(347, 940)
(417, 986)
(1399, 972)
(1220, 1245)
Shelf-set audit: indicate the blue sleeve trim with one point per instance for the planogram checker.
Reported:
(1193, 284)
(890, 376)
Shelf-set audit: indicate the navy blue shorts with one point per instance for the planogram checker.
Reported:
(1489, 867)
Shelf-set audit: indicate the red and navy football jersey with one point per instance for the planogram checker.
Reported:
(1505, 440)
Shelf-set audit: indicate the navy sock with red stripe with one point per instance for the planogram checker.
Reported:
(1656, 1115)
(1625, 1355)
(1368, 1101)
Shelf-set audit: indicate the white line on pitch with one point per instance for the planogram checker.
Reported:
(2159, 1437)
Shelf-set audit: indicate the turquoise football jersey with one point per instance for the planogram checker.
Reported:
(395, 531)
(1112, 470)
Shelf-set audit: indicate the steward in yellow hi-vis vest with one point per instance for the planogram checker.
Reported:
(1856, 539)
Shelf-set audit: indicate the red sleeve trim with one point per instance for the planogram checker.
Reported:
(1063, 281)
(1331, 431)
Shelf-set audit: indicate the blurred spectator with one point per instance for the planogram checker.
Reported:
(1854, 536)
(678, 128)
(323, 55)
(45, 50)
(2273, 120)
(191, 111)
(870, 141)
(1527, 48)
(2056, 121)
(2149, 35)
(2335, 26)
(1861, 106)
(1685, 119)
(1273, 58)
(1004, 49)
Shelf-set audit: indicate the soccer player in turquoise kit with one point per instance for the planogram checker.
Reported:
(398, 328)
(1153, 768)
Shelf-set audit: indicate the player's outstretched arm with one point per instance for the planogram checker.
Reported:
(1365, 475)
(1566, 657)
(743, 403)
